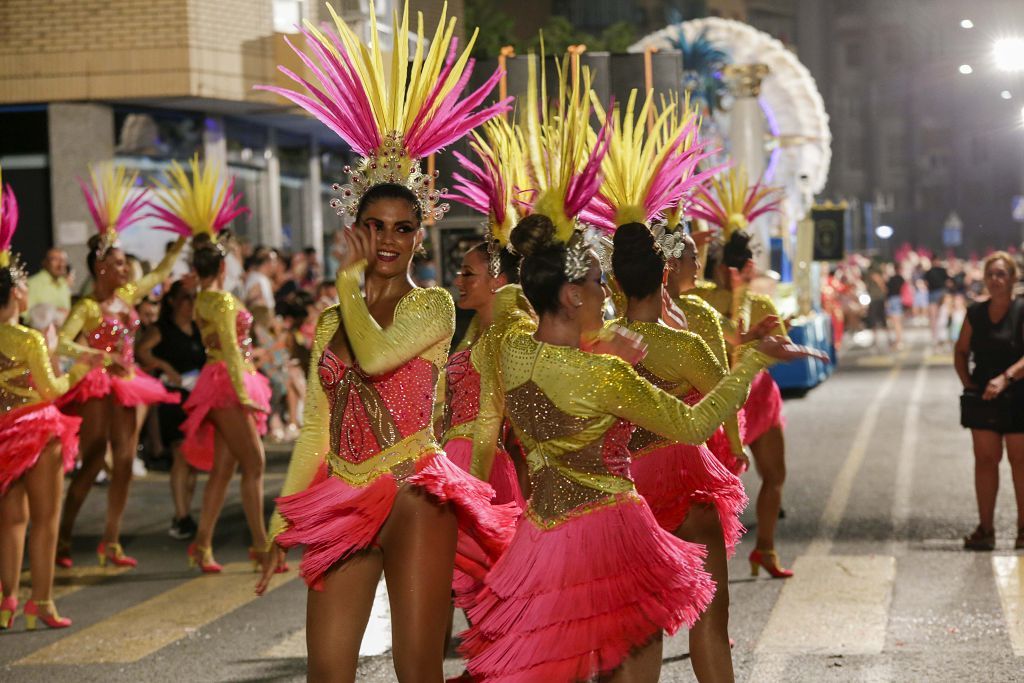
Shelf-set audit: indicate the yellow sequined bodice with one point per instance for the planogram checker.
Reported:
(568, 407)
(26, 374)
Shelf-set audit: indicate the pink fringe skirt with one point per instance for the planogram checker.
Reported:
(334, 519)
(571, 602)
(138, 390)
(503, 473)
(763, 409)
(25, 432)
(214, 390)
(671, 479)
(719, 444)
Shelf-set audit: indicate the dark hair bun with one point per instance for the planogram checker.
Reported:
(638, 264)
(532, 234)
(737, 251)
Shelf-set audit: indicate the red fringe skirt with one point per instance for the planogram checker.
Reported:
(571, 602)
(763, 409)
(25, 432)
(672, 478)
(334, 519)
(214, 390)
(138, 390)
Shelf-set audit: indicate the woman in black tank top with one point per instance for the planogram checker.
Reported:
(992, 405)
(173, 349)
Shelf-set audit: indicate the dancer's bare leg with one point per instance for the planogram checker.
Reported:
(336, 618)
(419, 556)
(710, 653)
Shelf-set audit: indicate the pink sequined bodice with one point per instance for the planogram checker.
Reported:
(462, 386)
(116, 335)
(369, 414)
(243, 327)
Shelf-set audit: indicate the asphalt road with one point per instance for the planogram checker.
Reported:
(879, 494)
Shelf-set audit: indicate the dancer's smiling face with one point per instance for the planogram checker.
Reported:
(474, 282)
(398, 231)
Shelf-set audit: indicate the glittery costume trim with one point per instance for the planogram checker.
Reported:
(398, 460)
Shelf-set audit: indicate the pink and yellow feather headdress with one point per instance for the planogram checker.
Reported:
(197, 202)
(730, 203)
(109, 195)
(563, 155)
(8, 224)
(394, 116)
(495, 186)
(647, 173)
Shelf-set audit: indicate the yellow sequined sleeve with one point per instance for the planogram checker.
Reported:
(754, 309)
(37, 357)
(314, 440)
(512, 312)
(135, 292)
(222, 310)
(84, 318)
(705, 322)
(625, 394)
(425, 318)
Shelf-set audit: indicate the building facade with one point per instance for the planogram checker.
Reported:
(148, 82)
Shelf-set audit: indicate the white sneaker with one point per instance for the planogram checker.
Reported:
(139, 468)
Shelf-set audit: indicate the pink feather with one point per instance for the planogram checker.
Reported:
(584, 185)
(8, 217)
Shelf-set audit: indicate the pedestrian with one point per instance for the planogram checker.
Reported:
(172, 348)
(988, 359)
(49, 292)
(38, 443)
(108, 398)
(259, 287)
(894, 286)
(937, 279)
(389, 500)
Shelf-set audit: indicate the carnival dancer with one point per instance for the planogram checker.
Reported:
(590, 580)
(226, 412)
(38, 443)
(368, 489)
(488, 267)
(108, 398)
(689, 492)
(731, 205)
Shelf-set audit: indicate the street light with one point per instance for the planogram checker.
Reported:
(1006, 95)
(1022, 116)
(966, 23)
(884, 232)
(1008, 54)
(966, 69)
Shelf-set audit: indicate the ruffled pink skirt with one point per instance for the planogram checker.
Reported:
(763, 409)
(719, 444)
(25, 432)
(503, 473)
(570, 603)
(671, 479)
(214, 390)
(334, 519)
(138, 390)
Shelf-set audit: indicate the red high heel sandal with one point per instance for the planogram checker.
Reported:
(63, 559)
(203, 558)
(115, 554)
(770, 561)
(7, 609)
(52, 620)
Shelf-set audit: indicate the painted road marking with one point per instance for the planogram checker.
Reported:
(845, 597)
(1009, 576)
(770, 663)
(837, 500)
(142, 629)
(68, 581)
(376, 638)
(905, 463)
